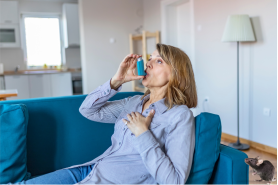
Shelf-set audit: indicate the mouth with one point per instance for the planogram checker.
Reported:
(147, 74)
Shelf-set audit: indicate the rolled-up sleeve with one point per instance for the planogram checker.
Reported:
(96, 106)
(173, 166)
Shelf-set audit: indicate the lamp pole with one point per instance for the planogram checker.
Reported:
(238, 145)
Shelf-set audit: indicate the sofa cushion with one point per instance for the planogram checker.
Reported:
(207, 147)
(13, 154)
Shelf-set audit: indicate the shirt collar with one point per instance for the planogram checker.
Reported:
(158, 104)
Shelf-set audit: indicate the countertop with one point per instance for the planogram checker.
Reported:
(40, 71)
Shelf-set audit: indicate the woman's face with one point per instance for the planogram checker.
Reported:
(158, 72)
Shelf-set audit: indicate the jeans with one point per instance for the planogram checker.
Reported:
(65, 176)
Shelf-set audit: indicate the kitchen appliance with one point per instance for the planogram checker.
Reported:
(9, 36)
(76, 78)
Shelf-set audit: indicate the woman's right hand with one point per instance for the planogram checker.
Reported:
(126, 71)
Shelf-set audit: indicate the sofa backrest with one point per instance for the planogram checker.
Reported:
(58, 136)
(207, 147)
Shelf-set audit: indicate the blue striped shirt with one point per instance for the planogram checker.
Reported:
(161, 155)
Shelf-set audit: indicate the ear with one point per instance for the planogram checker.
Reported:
(259, 162)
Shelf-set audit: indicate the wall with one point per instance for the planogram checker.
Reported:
(152, 21)
(11, 57)
(100, 20)
(217, 68)
(216, 65)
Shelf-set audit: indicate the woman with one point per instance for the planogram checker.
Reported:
(154, 137)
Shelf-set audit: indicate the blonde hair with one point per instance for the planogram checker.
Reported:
(181, 89)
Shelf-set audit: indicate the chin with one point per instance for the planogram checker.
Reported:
(144, 83)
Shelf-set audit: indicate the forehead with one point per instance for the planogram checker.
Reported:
(155, 54)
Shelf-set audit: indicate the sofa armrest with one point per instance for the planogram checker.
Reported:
(230, 167)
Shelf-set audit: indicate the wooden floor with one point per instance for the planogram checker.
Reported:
(252, 153)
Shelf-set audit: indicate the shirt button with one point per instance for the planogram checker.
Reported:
(124, 129)
(119, 143)
(107, 90)
(147, 112)
(152, 105)
(104, 92)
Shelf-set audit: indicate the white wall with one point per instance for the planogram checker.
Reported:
(152, 21)
(100, 20)
(11, 57)
(217, 68)
(216, 72)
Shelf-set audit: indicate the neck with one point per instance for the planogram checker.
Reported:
(156, 94)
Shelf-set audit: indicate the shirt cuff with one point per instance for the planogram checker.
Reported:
(113, 90)
(144, 141)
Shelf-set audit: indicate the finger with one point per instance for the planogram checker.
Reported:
(129, 57)
(132, 64)
(125, 121)
(139, 77)
(129, 117)
(133, 114)
(150, 115)
(138, 114)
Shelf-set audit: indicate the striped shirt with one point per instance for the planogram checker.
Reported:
(161, 155)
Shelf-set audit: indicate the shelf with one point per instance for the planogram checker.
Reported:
(143, 37)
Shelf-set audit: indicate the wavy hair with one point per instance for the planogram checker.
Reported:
(181, 89)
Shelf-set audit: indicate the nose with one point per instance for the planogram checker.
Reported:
(148, 64)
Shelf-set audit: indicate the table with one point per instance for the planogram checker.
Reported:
(7, 93)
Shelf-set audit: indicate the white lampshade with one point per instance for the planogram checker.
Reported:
(238, 28)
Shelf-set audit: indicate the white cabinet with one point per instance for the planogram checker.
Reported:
(61, 84)
(40, 85)
(71, 25)
(9, 12)
(2, 84)
(19, 82)
(9, 24)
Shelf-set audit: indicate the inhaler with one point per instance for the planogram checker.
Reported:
(140, 67)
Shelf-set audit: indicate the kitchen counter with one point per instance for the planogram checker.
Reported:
(39, 71)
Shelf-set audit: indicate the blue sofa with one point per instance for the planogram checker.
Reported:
(58, 136)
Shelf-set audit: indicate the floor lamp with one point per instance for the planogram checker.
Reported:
(238, 29)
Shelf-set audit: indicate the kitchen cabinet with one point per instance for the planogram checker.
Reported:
(2, 84)
(19, 82)
(61, 84)
(71, 25)
(9, 12)
(39, 85)
(9, 24)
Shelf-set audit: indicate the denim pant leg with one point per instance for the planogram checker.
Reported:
(79, 173)
(64, 176)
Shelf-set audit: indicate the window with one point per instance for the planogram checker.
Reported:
(42, 40)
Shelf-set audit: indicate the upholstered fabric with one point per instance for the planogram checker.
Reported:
(208, 135)
(13, 154)
(59, 137)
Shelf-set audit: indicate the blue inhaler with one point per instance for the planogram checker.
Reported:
(140, 67)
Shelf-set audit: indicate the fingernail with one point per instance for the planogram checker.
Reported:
(152, 111)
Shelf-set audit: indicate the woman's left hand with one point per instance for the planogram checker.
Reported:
(138, 123)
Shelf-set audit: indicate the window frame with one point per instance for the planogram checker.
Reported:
(23, 35)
